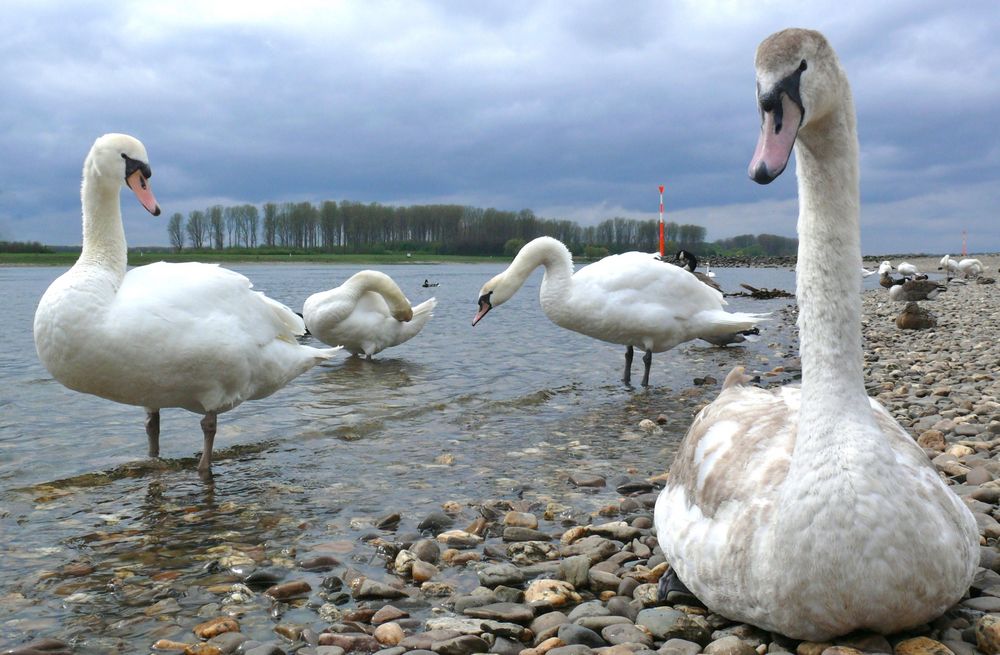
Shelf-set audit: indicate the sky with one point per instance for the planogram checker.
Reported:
(573, 109)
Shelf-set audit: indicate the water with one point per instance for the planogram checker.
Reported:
(502, 410)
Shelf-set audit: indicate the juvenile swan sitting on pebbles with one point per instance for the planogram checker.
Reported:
(190, 335)
(811, 512)
(632, 299)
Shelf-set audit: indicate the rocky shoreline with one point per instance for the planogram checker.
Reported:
(528, 577)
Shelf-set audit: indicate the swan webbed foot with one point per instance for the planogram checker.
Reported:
(627, 377)
(647, 361)
(671, 589)
(153, 431)
(208, 426)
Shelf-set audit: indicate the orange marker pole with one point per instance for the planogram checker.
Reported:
(663, 246)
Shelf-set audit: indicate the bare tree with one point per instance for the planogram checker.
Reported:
(176, 231)
(196, 228)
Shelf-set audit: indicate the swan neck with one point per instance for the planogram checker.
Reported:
(103, 233)
(381, 284)
(558, 264)
(827, 284)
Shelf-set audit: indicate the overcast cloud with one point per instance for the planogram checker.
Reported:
(573, 109)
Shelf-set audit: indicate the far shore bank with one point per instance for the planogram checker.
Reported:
(926, 263)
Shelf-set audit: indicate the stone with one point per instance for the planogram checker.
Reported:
(932, 439)
(514, 533)
(388, 613)
(459, 539)
(524, 553)
(978, 475)
(679, 647)
(571, 633)
(546, 625)
(551, 593)
(366, 588)
(202, 648)
(319, 563)
(626, 633)
(520, 520)
(666, 623)
(286, 590)
(508, 612)
(228, 642)
(729, 645)
(350, 641)
(216, 626)
(427, 550)
(389, 634)
(922, 646)
(619, 530)
(584, 479)
(423, 571)
(603, 581)
(575, 570)
(492, 575)
(461, 645)
(436, 521)
(595, 547)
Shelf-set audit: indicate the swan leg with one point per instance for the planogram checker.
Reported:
(647, 360)
(153, 431)
(208, 426)
(627, 378)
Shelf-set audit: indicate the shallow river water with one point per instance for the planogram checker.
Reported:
(89, 528)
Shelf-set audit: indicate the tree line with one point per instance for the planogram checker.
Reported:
(355, 227)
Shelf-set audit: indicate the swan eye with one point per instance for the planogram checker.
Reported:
(133, 165)
(802, 66)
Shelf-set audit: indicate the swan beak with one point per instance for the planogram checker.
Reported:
(777, 136)
(484, 307)
(140, 187)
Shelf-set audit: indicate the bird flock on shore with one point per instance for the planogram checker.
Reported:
(772, 514)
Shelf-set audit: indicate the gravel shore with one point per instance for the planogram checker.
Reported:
(508, 576)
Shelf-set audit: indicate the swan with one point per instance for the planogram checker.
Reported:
(630, 299)
(948, 265)
(810, 511)
(189, 335)
(366, 314)
(907, 269)
(970, 267)
(913, 290)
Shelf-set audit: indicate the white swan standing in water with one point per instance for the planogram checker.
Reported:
(366, 314)
(811, 512)
(191, 335)
(632, 299)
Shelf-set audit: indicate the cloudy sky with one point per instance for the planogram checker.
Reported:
(575, 109)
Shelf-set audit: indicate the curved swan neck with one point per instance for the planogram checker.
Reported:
(103, 234)
(381, 284)
(554, 257)
(828, 260)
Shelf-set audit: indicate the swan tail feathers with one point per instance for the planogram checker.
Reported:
(323, 354)
(289, 323)
(421, 314)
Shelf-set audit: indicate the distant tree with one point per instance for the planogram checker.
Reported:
(196, 228)
(270, 224)
(512, 247)
(252, 218)
(216, 226)
(175, 228)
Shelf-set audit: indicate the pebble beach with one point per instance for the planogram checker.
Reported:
(555, 575)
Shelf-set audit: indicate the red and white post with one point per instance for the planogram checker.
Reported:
(663, 245)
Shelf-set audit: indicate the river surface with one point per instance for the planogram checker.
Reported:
(458, 413)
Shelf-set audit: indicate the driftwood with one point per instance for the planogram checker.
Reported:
(761, 294)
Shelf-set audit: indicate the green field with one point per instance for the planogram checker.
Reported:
(137, 258)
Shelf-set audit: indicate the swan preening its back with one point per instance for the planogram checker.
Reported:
(810, 511)
(366, 314)
(631, 299)
(193, 336)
